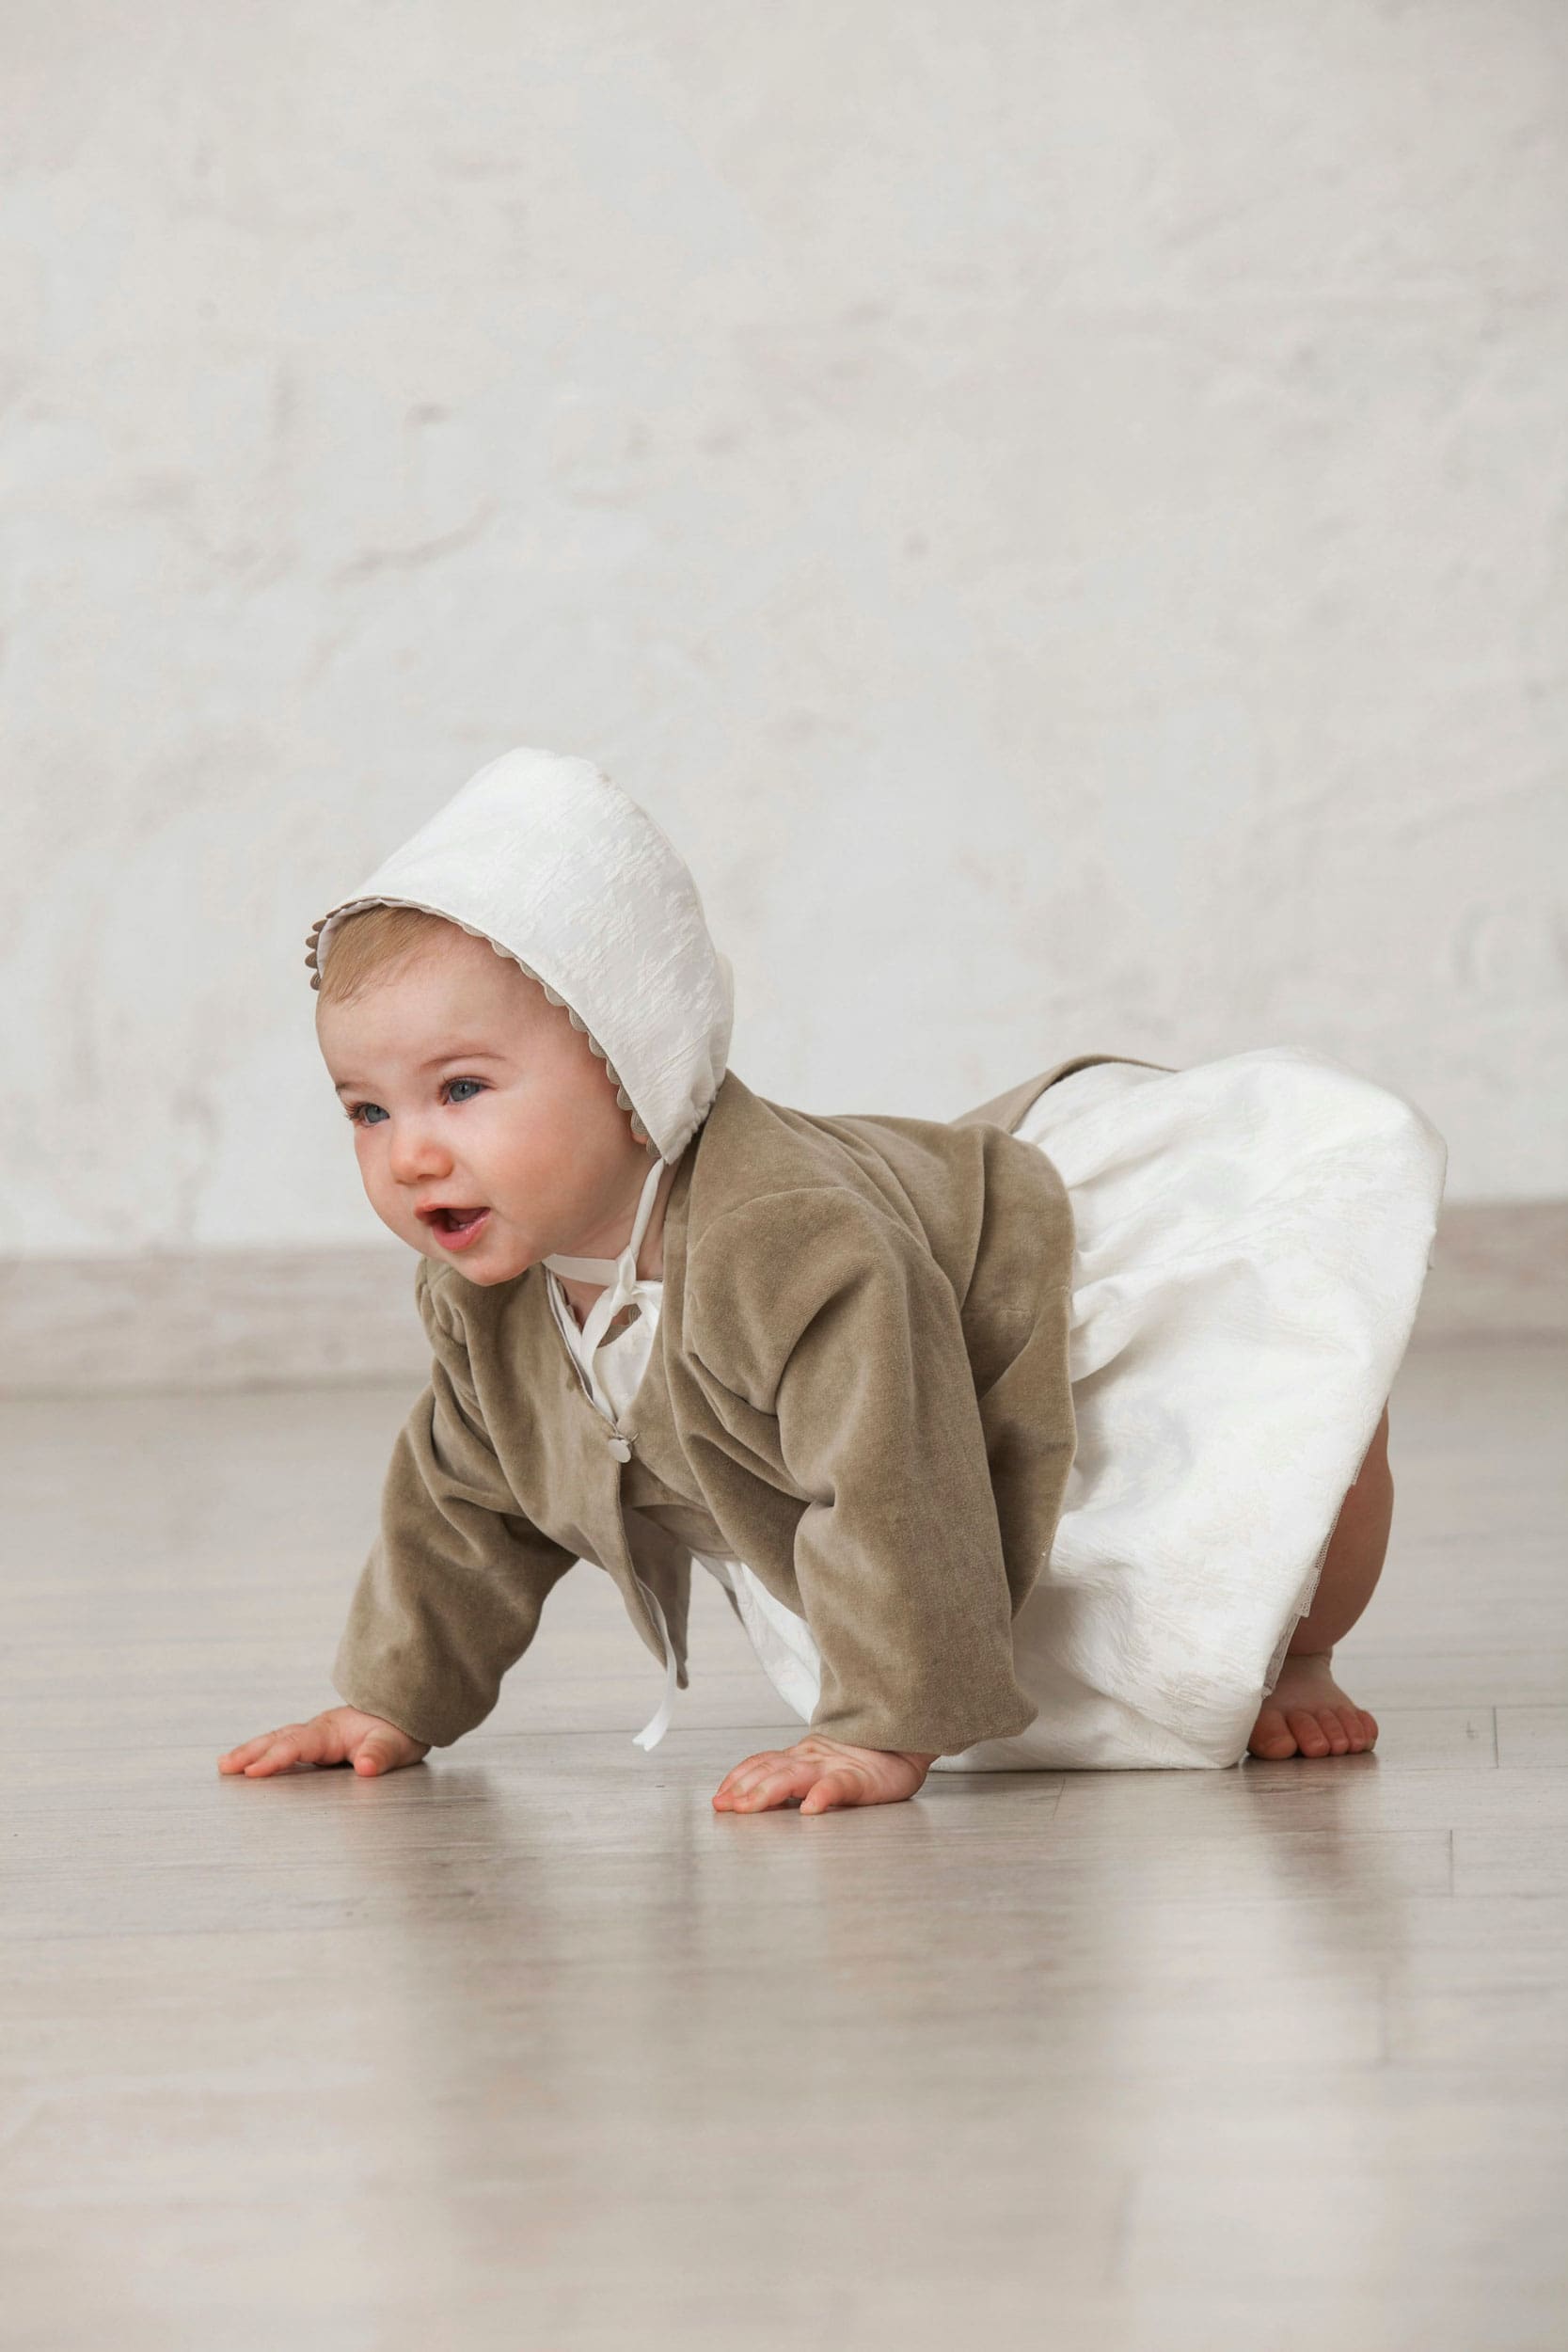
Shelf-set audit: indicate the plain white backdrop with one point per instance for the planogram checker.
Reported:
(1059, 511)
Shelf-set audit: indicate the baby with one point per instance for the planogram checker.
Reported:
(673, 1322)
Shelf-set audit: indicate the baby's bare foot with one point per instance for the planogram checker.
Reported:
(1307, 1714)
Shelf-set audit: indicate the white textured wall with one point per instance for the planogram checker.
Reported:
(1059, 510)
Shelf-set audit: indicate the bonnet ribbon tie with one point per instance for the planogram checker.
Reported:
(653, 1730)
(625, 1285)
(620, 1274)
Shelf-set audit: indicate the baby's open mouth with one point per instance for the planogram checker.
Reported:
(454, 1224)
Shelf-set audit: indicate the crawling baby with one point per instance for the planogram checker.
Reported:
(829, 1359)
(488, 1137)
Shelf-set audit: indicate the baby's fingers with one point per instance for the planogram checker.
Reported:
(250, 1751)
(296, 1743)
(778, 1778)
(749, 1769)
(833, 1789)
(384, 1751)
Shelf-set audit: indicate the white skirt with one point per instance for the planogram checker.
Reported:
(1252, 1236)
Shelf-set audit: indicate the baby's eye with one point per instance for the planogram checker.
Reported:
(356, 1112)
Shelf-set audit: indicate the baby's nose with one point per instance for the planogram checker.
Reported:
(415, 1158)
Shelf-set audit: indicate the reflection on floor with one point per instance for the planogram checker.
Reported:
(528, 2048)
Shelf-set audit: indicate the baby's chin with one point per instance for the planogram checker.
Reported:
(499, 1255)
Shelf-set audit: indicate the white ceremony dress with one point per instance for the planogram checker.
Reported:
(1252, 1236)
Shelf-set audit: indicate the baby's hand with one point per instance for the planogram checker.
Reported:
(822, 1773)
(344, 1735)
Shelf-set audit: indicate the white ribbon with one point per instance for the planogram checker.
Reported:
(619, 1274)
(653, 1730)
(624, 1285)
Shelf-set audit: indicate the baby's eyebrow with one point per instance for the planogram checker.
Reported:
(454, 1052)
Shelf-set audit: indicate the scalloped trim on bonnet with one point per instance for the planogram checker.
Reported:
(564, 873)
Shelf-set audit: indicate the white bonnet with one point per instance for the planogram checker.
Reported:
(540, 854)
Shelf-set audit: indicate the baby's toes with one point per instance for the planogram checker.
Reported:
(1271, 1737)
(1311, 1737)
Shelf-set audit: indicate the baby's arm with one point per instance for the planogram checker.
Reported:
(833, 1320)
(449, 1598)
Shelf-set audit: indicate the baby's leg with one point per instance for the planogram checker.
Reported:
(1306, 1713)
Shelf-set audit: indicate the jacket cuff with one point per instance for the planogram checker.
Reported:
(423, 1720)
(938, 1733)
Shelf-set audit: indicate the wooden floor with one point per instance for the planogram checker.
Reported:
(530, 2049)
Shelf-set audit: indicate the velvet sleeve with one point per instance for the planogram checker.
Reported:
(818, 1309)
(452, 1592)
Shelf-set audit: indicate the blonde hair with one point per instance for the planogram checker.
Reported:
(374, 943)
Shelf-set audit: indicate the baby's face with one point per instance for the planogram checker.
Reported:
(468, 1088)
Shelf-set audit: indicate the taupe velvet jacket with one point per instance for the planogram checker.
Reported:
(858, 1386)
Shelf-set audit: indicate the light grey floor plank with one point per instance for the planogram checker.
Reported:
(530, 2049)
(1533, 1736)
